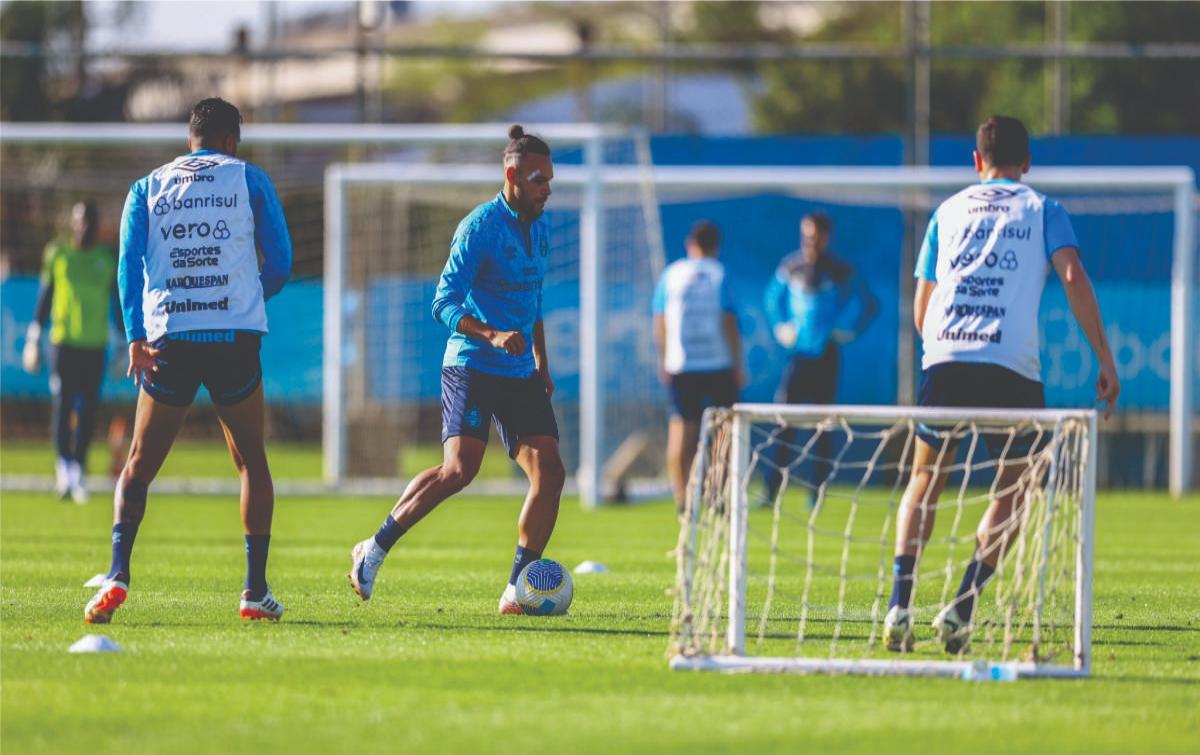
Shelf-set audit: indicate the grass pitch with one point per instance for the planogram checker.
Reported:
(427, 666)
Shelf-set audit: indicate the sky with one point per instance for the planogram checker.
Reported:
(210, 24)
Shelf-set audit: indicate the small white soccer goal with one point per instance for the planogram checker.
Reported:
(798, 579)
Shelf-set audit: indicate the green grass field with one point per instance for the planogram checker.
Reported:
(208, 459)
(427, 666)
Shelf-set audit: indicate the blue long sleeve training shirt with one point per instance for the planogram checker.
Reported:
(817, 299)
(271, 237)
(494, 274)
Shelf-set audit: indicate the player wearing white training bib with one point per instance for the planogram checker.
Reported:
(699, 346)
(193, 294)
(980, 275)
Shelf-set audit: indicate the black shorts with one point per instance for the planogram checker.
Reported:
(693, 392)
(519, 406)
(977, 384)
(225, 362)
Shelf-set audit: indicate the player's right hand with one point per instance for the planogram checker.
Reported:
(31, 357)
(785, 335)
(1108, 387)
(141, 360)
(509, 341)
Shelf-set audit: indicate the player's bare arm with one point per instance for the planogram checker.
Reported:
(660, 345)
(1086, 309)
(733, 337)
(142, 360)
(921, 301)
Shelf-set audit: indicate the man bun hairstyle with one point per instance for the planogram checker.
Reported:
(521, 144)
(706, 235)
(214, 117)
(1002, 141)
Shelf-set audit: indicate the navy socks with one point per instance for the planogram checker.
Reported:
(974, 578)
(389, 532)
(524, 558)
(123, 536)
(902, 581)
(256, 565)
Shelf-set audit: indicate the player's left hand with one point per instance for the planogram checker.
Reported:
(141, 360)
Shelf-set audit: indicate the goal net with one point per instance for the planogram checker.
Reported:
(800, 579)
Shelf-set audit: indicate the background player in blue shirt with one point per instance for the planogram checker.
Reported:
(699, 346)
(495, 367)
(815, 303)
(193, 297)
(980, 275)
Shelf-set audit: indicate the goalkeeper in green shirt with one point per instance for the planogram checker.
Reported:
(78, 292)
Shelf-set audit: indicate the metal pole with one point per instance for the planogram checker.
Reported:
(917, 21)
(333, 419)
(591, 337)
(739, 452)
(1182, 341)
(1058, 96)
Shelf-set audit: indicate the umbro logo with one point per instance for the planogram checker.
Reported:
(196, 164)
(992, 193)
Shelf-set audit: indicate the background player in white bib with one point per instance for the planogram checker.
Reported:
(193, 300)
(980, 274)
(699, 346)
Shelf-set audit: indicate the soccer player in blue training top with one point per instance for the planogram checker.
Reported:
(495, 367)
(699, 346)
(193, 299)
(79, 289)
(980, 273)
(815, 304)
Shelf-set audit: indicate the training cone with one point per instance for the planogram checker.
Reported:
(96, 643)
(591, 567)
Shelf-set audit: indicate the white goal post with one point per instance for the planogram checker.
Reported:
(1037, 625)
(596, 181)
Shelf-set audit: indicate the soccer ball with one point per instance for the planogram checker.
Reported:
(544, 588)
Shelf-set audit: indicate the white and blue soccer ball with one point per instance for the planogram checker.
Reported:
(544, 588)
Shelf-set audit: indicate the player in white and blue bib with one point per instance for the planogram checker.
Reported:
(699, 345)
(495, 368)
(980, 274)
(193, 297)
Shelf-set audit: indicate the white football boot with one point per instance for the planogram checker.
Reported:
(953, 632)
(365, 560)
(265, 607)
(62, 478)
(100, 608)
(508, 602)
(897, 630)
(76, 483)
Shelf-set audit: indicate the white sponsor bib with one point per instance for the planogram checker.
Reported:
(991, 268)
(201, 264)
(693, 312)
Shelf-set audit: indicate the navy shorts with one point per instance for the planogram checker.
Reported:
(225, 362)
(693, 392)
(519, 406)
(976, 384)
